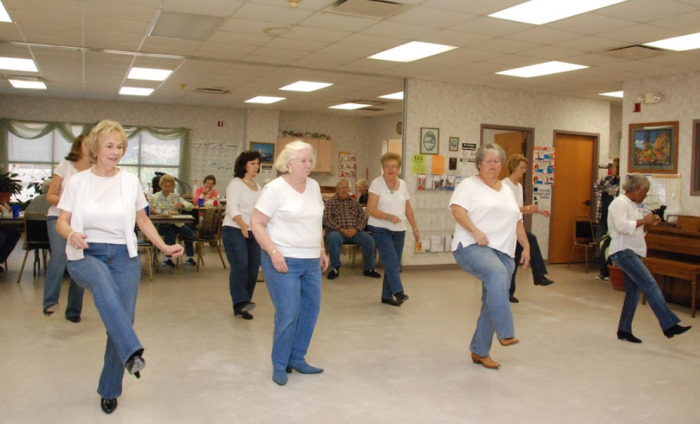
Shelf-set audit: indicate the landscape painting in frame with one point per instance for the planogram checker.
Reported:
(653, 148)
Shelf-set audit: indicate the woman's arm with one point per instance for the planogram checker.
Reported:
(258, 221)
(522, 239)
(149, 230)
(75, 238)
(412, 220)
(462, 217)
(372, 209)
(53, 195)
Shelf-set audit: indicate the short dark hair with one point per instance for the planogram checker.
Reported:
(75, 148)
(243, 159)
(209, 177)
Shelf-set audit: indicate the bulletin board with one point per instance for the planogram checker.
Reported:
(543, 176)
(213, 158)
(664, 190)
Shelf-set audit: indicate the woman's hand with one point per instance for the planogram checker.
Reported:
(544, 212)
(278, 261)
(395, 219)
(174, 250)
(416, 235)
(244, 231)
(480, 238)
(525, 258)
(76, 240)
(324, 260)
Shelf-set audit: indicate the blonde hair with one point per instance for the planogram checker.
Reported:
(166, 178)
(386, 157)
(361, 183)
(290, 152)
(514, 162)
(104, 127)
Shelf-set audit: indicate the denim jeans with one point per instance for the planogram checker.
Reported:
(113, 278)
(55, 272)
(494, 269)
(539, 269)
(638, 279)
(296, 295)
(169, 233)
(244, 257)
(390, 247)
(335, 240)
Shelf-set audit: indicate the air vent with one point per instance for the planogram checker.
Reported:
(380, 9)
(635, 52)
(207, 90)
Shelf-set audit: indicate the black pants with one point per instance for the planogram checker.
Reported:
(539, 269)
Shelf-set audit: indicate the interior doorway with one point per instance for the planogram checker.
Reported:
(572, 193)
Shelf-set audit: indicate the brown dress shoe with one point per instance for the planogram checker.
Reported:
(508, 342)
(485, 361)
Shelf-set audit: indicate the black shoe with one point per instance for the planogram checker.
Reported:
(333, 273)
(391, 302)
(243, 314)
(543, 281)
(401, 297)
(73, 319)
(624, 335)
(676, 330)
(513, 299)
(243, 307)
(372, 273)
(135, 364)
(108, 405)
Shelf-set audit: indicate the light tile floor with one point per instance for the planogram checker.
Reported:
(382, 364)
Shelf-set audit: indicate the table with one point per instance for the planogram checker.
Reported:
(14, 223)
(172, 219)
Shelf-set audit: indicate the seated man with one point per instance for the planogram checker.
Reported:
(344, 219)
(167, 201)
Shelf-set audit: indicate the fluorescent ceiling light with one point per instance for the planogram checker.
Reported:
(618, 94)
(538, 12)
(306, 86)
(679, 44)
(349, 106)
(411, 51)
(266, 100)
(135, 91)
(393, 96)
(33, 85)
(541, 69)
(149, 74)
(4, 16)
(15, 64)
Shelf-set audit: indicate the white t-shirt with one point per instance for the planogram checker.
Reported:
(623, 214)
(296, 219)
(390, 202)
(495, 213)
(65, 170)
(240, 200)
(517, 190)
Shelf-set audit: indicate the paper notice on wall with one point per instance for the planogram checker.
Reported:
(438, 164)
(543, 176)
(347, 164)
(418, 164)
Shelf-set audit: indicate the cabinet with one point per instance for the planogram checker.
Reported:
(322, 147)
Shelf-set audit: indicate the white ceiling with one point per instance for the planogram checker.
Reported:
(264, 44)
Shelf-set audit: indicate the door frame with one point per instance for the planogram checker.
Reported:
(594, 162)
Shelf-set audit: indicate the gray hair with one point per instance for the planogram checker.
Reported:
(635, 182)
(481, 153)
(290, 152)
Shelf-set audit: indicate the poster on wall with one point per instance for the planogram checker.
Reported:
(543, 176)
(347, 164)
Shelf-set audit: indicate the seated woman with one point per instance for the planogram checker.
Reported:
(8, 239)
(207, 192)
(361, 191)
(167, 201)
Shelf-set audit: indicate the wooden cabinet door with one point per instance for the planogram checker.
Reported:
(322, 147)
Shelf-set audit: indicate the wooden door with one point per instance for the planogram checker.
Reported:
(513, 143)
(572, 193)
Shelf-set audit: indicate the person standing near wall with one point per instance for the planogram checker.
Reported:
(606, 190)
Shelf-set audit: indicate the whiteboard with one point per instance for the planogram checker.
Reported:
(212, 158)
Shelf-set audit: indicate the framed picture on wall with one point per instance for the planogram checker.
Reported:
(267, 150)
(454, 144)
(653, 148)
(429, 141)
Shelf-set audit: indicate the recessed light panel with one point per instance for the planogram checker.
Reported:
(348, 106)
(679, 44)
(538, 12)
(618, 94)
(149, 74)
(266, 100)
(541, 69)
(306, 86)
(393, 96)
(32, 85)
(412, 51)
(15, 64)
(4, 16)
(135, 91)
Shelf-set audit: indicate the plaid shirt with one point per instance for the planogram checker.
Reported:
(606, 189)
(343, 213)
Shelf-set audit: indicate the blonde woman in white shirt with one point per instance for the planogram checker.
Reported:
(242, 250)
(287, 222)
(626, 226)
(99, 208)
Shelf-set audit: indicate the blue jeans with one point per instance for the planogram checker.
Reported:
(55, 272)
(244, 257)
(638, 279)
(539, 269)
(390, 247)
(296, 295)
(335, 240)
(169, 233)
(494, 269)
(113, 278)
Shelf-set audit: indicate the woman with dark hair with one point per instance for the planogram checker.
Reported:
(207, 192)
(76, 160)
(242, 251)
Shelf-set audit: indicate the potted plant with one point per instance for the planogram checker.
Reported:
(9, 185)
(617, 278)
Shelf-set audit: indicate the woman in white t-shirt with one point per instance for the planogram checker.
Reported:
(242, 251)
(488, 224)
(99, 208)
(388, 205)
(287, 223)
(76, 160)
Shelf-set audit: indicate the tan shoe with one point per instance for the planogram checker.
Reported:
(485, 361)
(508, 342)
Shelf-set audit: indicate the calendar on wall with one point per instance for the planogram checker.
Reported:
(213, 158)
